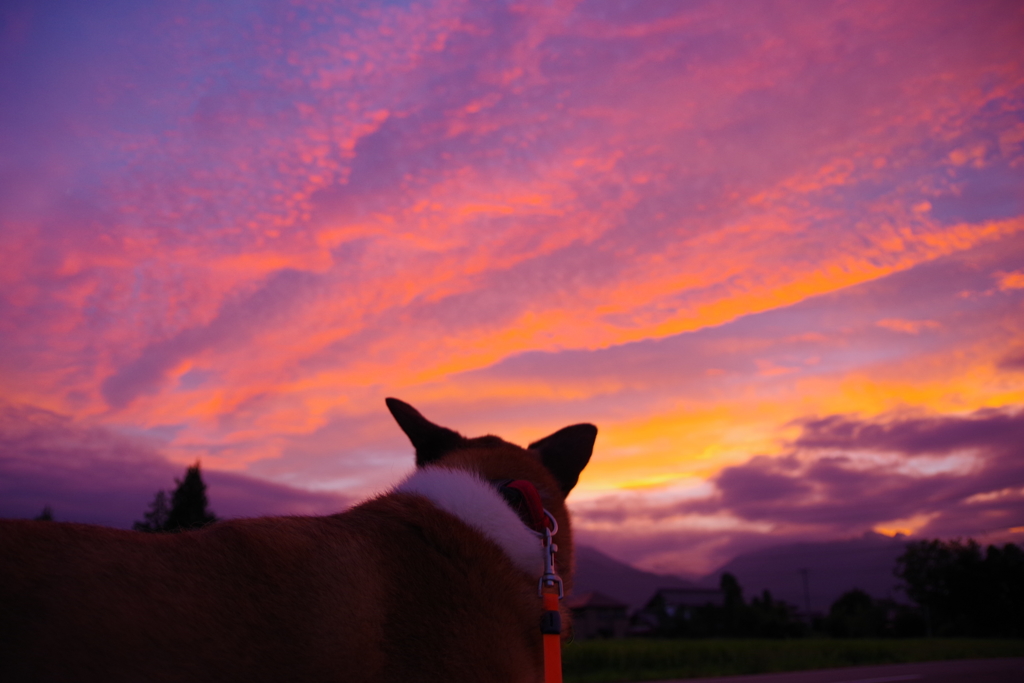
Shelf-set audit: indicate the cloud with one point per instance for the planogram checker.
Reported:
(1012, 361)
(507, 198)
(1014, 280)
(907, 326)
(365, 454)
(94, 475)
(828, 334)
(847, 474)
(689, 224)
(997, 432)
(278, 297)
(930, 476)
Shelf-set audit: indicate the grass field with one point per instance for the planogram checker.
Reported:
(647, 660)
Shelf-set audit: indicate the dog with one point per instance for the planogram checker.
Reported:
(436, 580)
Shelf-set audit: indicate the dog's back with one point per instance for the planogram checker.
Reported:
(327, 598)
(398, 588)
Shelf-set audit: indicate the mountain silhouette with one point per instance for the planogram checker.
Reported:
(833, 567)
(596, 571)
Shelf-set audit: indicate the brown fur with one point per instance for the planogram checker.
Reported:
(394, 589)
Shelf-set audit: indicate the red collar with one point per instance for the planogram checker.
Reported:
(522, 496)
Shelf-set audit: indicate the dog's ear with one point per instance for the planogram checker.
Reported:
(430, 440)
(566, 452)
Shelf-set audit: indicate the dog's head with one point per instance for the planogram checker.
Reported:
(552, 464)
(563, 454)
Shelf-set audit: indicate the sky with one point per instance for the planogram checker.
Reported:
(773, 250)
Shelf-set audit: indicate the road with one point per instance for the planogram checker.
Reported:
(1009, 670)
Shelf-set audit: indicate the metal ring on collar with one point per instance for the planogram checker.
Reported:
(554, 526)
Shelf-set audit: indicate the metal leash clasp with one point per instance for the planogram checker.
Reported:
(549, 579)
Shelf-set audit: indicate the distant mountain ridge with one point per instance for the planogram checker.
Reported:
(596, 571)
(833, 567)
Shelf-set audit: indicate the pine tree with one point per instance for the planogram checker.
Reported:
(156, 519)
(186, 509)
(188, 503)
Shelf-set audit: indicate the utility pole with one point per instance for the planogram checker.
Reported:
(807, 594)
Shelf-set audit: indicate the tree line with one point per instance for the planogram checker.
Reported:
(964, 590)
(186, 507)
(956, 588)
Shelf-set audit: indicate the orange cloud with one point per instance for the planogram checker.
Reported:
(1014, 280)
(907, 326)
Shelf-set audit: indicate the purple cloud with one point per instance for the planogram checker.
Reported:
(937, 476)
(991, 430)
(1013, 361)
(831, 479)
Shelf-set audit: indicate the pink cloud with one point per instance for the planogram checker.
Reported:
(907, 326)
(832, 334)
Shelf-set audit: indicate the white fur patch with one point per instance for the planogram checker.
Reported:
(479, 505)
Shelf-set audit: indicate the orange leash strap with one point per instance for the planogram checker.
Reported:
(550, 590)
(552, 637)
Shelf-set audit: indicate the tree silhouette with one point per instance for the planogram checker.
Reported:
(764, 617)
(156, 518)
(188, 504)
(966, 591)
(774, 618)
(187, 508)
(856, 615)
(46, 515)
(736, 619)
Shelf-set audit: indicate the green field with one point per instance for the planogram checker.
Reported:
(647, 660)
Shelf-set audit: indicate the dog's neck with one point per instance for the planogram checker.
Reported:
(478, 504)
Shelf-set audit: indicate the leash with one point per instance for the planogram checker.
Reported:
(522, 496)
(550, 590)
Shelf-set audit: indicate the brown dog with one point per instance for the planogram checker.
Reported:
(435, 581)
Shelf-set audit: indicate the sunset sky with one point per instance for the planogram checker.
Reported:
(773, 250)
